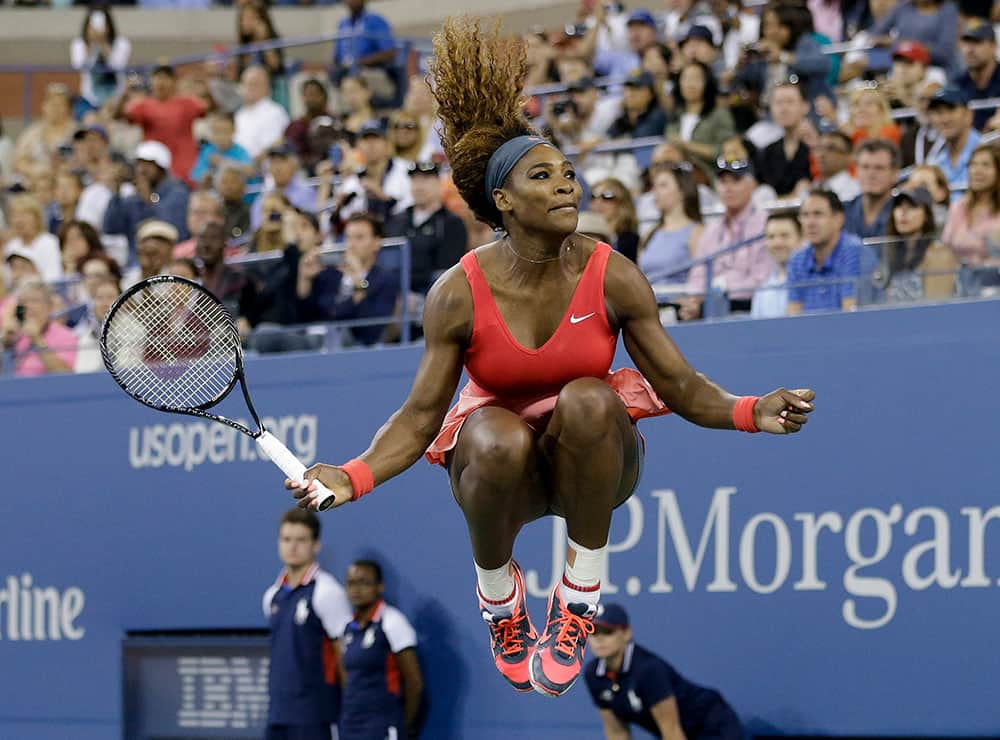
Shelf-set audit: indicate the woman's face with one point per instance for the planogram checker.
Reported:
(92, 271)
(605, 201)
(734, 150)
(773, 31)
(74, 245)
(637, 99)
(405, 132)
(56, 107)
(24, 223)
(355, 94)
(866, 111)
(666, 191)
(909, 218)
(542, 193)
(249, 19)
(104, 296)
(692, 83)
(982, 172)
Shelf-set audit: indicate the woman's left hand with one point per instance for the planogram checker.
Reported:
(783, 411)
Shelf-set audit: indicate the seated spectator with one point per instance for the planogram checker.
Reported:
(41, 345)
(22, 266)
(832, 154)
(949, 113)
(738, 148)
(786, 47)
(700, 125)
(155, 241)
(254, 26)
(88, 331)
(932, 178)
(283, 177)
(220, 148)
(698, 45)
(357, 99)
(934, 23)
(910, 62)
(156, 196)
(583, 117)
(95, 197)
(382, 187)
(168, 117)
(611, 59)
(231, 187)
(825, 274)
(78, 242)
(632, 686)
(39, 143)
(405, 136)
(658, 60)
(870, 116)
(420, 102)
(297, 135)
(101, 56)
(269, 236)
(234, 289)
(918, 266)
(27, 227)
(641, 114)
(367, 290)
(974, 219)
(784, 165)
(671, 245)
(366, 48)
(921, 143)
(437, 236)
(981, 78)
(783, 235)
(204, 206)
(611, 199)
(739, 272)
(184, 267)
(93, 270)
(683, 15)
(67, 192)
(260, 122)
(878, 168)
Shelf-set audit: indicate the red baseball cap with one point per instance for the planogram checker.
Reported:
(912, 51)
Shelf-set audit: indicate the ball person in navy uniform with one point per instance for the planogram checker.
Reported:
(381, 674)
(632, 686)
(307, 609)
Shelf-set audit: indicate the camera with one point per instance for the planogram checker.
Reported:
(274, 216)
(575, 29)
(562, 107)
(19, 313)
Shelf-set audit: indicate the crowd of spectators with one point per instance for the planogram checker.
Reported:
(776, 173)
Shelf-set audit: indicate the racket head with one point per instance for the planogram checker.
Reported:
(171, 345)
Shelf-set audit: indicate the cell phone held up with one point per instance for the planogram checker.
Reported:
(19, 313)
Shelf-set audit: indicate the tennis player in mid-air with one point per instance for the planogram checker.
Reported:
(542, 427)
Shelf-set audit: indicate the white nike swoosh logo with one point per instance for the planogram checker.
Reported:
(577, 319)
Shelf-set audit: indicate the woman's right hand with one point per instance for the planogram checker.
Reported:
(334, 479)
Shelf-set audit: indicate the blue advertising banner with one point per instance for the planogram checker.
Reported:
(843, 581)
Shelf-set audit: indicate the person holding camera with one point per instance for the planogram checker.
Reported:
(101, 56)
(584, 117)
(40, 345)
(382, 186)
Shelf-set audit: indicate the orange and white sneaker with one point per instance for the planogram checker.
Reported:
(558, 657)
(512, 638)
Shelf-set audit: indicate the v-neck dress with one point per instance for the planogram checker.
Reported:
(503, 372)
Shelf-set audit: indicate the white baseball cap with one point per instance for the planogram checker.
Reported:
(153, 151)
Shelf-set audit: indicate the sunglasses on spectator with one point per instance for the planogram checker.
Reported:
(405, 126)
(606, 195)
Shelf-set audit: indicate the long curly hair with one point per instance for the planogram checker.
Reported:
(478, 81)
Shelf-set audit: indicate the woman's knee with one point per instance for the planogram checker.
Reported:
(588, 409)
(496, 444)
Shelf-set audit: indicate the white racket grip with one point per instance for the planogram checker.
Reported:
(272, 448)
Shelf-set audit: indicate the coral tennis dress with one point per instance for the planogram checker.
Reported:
(502, 372)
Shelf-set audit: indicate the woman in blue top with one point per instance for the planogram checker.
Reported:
(671, 244)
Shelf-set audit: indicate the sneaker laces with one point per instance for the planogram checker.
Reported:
(572, 629)
(509, 632)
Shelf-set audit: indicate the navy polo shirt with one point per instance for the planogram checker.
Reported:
(854, 219)
(370, 33)
(992, 90)
(824, 287)
(304, 621)
(644, 681)
(373, 697)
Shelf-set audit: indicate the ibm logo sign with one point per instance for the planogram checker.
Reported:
(219, 693)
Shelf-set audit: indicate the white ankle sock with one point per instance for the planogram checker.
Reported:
(581, 582)
(497, 590)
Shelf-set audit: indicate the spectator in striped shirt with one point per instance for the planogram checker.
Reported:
(825, 274)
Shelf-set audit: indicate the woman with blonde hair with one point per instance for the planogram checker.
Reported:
(612, 199)
(406, 135)
(27, 223)
(542, 428)
(870, 116)
(39, 143)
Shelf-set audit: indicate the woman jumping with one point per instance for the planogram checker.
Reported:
(542, 427)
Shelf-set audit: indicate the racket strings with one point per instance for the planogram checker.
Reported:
(173, 345)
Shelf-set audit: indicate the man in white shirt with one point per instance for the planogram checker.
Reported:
(833, 160)
(260, 122)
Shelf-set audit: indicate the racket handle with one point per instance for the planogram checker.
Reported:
(272, 448)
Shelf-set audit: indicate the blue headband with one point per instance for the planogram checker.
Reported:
(505, 158)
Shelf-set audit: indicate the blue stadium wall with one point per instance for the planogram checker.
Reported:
(843, 581)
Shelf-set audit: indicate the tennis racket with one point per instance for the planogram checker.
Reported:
(171, 345)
